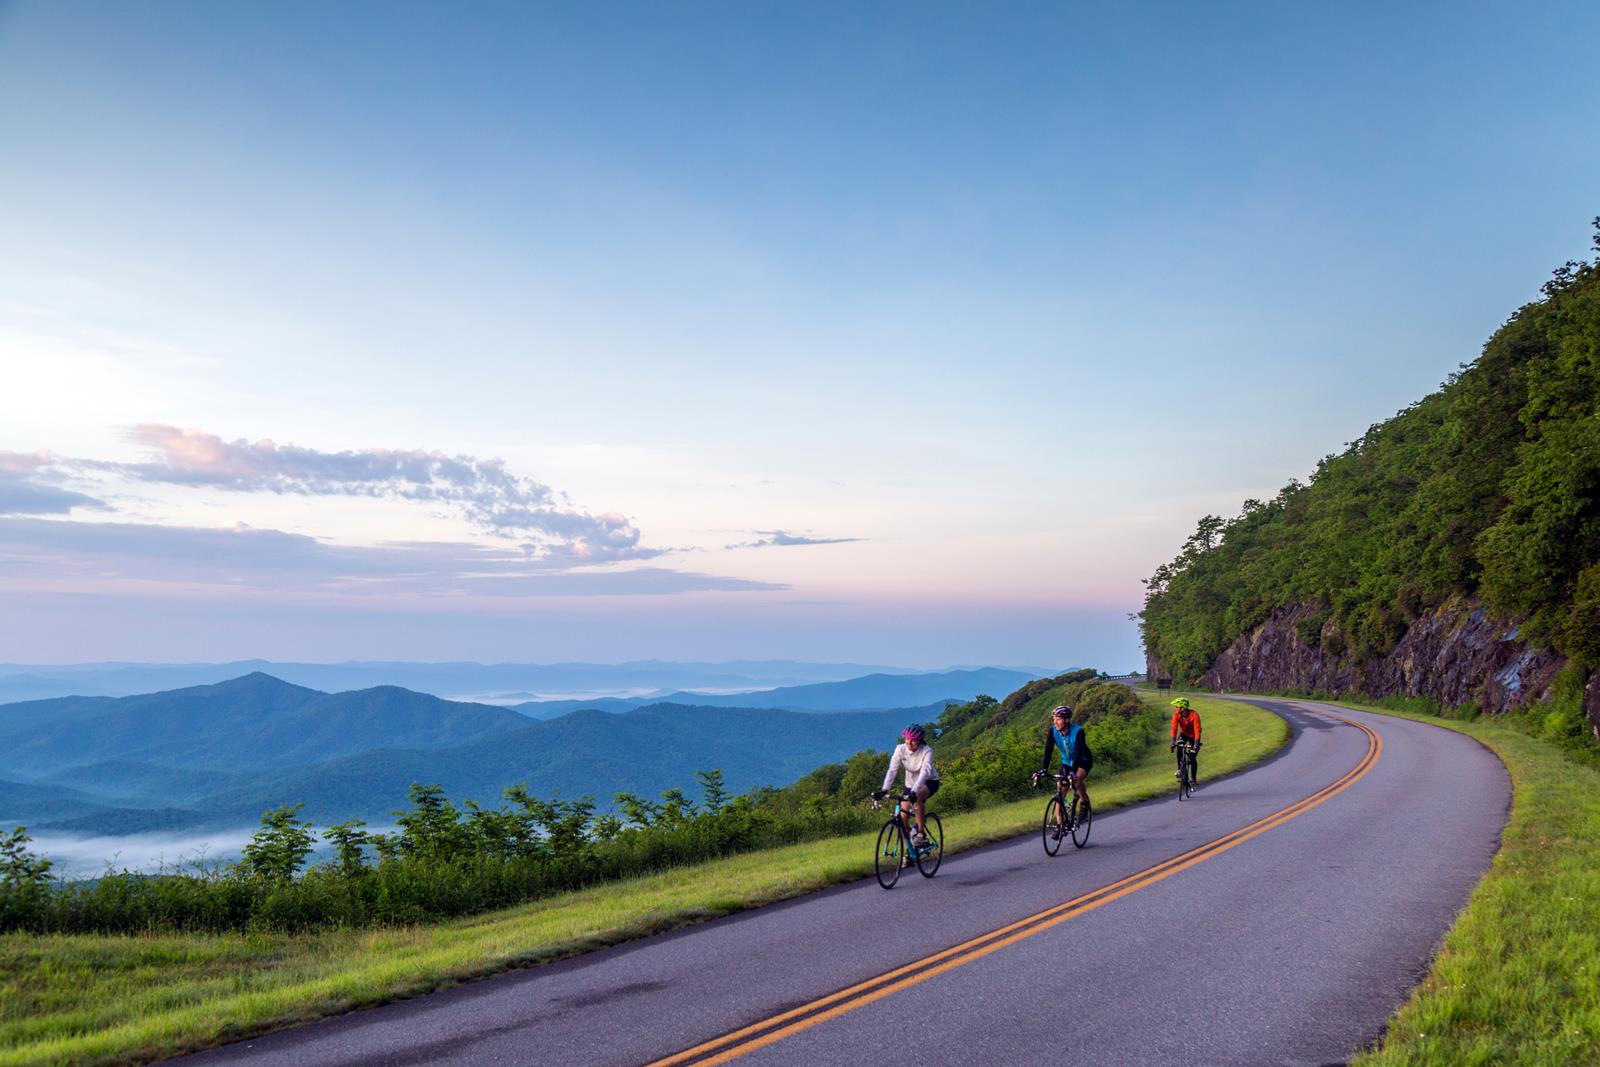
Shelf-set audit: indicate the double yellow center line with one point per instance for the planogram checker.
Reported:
(747, 1039)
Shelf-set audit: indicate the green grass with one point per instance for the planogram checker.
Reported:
(1517, 980)
(129, 999)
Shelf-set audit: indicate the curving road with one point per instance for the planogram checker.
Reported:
(1279, 918)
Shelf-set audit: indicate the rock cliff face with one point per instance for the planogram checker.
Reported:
(1454, 654)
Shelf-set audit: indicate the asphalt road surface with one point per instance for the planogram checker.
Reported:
(1278, 917)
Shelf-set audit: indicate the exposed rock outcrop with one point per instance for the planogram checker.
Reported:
(1454, 654)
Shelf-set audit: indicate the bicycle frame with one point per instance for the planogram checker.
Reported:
(927, 857)
(1078, 812)
(1186, 751)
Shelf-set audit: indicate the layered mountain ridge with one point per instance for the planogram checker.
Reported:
(220, 754)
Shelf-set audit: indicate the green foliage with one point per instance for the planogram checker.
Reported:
(1310, 628)
(348, 839)
(20, 868)
(279, 849)
(711, 784)
(1490, 486)
(432, 829)
(24, 878)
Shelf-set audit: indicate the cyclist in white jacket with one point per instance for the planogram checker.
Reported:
(916, 756)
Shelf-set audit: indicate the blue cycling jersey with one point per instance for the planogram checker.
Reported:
(1070, 745)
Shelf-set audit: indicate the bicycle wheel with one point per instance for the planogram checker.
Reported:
(930, 855)
(891, 852)
(1082, 816)
(1055, 825)
(1183, 775)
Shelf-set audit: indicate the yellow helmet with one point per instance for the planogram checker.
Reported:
(1181, 702)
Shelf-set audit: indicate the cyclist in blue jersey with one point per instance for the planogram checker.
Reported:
(1066, 736)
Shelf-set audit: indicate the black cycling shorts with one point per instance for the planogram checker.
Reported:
(1086, 764)
(933, 787)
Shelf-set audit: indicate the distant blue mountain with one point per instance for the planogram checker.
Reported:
(22, 802)
(501, 681)
(253, 722)
(594, 753)
(218, 755)
(872, 692)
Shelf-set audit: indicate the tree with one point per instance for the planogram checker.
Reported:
(348, 839)
(21, 871)
(279, 849)
(711, 787)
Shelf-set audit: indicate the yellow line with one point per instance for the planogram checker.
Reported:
(772, 1029)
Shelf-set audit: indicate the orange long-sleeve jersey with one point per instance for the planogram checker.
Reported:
(1189, 728)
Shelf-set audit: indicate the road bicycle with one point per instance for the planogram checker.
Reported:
(1063, 818)
(895, 850)
(1186, 769)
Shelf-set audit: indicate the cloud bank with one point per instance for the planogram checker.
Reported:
(491, 497)
(496, 501)
(24, 489)
(100, 556)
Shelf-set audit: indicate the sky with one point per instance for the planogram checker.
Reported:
(907, 333)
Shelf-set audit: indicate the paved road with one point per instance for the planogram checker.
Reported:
(1289, 944)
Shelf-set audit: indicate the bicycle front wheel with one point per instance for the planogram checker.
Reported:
(1055, 825)
(1082, 816)
(1183, 776)
(890, 855)
(931, 854)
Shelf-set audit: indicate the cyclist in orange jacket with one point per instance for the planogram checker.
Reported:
(1186, 724)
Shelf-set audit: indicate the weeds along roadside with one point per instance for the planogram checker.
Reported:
(82, 999)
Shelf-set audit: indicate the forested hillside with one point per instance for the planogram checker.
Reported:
(1482, 498)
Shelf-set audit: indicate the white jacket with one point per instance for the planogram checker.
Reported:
(918, 765)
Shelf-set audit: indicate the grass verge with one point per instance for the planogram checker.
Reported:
(1517, 980)
(132, 999)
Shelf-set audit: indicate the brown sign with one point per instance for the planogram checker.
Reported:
(1163, 683)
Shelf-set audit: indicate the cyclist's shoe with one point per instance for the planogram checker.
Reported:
(918, 840)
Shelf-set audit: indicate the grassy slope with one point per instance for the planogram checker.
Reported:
(1518, 977)
(129, 999)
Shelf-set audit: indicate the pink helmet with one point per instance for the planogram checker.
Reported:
(915, 730)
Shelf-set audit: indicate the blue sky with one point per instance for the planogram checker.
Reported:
(913, 333)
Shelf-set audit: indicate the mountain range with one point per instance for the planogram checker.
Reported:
(874, 692)
(499, 682)
(218, 755)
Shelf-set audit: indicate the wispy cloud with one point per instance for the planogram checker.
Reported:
(782, 539)
(493, 499)
(25, 487)
(100, 555)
